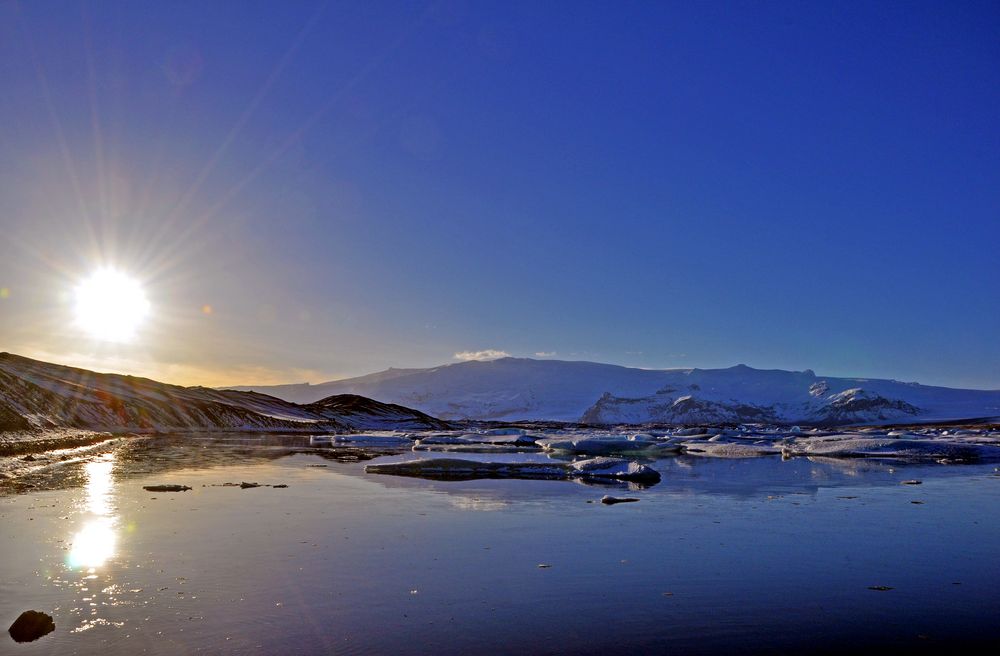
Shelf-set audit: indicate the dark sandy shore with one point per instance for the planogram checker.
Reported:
(29, 455)
(13, 443)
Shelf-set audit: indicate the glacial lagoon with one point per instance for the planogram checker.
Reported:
(721, 555)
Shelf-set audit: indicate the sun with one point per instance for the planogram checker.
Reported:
(110, 305)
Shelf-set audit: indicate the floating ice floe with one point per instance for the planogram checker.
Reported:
(362, 439)
(505, 431)
(501, 436)
(864, 446)
(922, 443)
(609, 444)
(617, 469)
(685, 432)
(453, 468)
(730, 449)
(474, 447)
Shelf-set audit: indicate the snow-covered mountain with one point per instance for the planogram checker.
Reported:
(507, 389)
(741, 394)
(36, 394)
(522, 388)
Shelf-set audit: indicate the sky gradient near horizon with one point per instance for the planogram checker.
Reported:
(313, 190)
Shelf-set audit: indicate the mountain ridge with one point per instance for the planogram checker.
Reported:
(510, 389)
(42, 395)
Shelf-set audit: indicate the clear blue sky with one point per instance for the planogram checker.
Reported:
(351, 186)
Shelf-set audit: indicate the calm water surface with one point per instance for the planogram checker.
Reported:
(723, 556)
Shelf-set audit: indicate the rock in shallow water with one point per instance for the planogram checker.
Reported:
(609, 500)
(165, 488)
(31, 625)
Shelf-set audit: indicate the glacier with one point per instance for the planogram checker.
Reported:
(512, 389)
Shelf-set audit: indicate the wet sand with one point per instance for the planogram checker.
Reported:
(722, 556)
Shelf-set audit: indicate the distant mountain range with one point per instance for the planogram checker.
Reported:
(38, 395)
(525, 389)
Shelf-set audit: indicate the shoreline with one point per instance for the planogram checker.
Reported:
(20, 443)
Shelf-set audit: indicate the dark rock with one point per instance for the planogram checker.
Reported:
(609, 500)
(281, 485)
(244, 485)
(31, 625)
(165, 488)
(879, 588)
(913, 482)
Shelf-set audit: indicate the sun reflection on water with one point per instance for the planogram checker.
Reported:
(95, 542)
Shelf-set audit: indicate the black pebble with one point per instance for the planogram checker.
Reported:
(31, 625)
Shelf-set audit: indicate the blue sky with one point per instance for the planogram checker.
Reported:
(356, 186)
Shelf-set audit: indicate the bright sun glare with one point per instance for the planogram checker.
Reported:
(110, 305)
